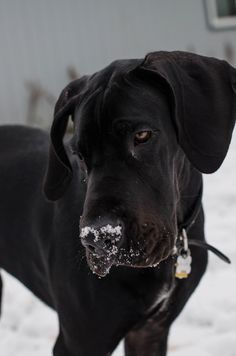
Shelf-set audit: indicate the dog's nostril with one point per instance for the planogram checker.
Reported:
(96, 250)
(91, 248)
(108, 244)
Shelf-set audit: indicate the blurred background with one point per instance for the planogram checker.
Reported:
(44, 44)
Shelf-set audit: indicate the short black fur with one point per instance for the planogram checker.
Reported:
(185, 105)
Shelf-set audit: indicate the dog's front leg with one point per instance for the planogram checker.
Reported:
(149, 340)
(70, 348)
(0, 295)
(77, 347)
(87, 342)
(60, 348)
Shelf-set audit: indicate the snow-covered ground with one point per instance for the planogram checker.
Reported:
(207, 326)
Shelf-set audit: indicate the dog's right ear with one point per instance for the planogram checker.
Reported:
(202, 92)
(59, 170)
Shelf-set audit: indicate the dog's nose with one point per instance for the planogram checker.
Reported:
(103, 239)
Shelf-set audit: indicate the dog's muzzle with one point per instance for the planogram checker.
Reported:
(107, 244)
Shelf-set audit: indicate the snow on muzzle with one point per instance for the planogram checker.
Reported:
(103, 240)
(102, 245)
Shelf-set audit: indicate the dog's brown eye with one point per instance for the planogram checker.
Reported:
(142, 137)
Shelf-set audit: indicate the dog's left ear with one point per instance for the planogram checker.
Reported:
(203, 90)
(59, 170)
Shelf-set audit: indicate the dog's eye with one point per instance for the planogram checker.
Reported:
(142, 137)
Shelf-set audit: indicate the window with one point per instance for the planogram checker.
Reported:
(221, 13)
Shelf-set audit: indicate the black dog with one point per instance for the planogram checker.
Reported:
(120, 198)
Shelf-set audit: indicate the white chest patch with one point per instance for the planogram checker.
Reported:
(162, 296)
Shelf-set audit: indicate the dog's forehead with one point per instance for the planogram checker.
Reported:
(117, 92)
(133, 98)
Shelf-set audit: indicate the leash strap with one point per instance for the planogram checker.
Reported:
(209, 247)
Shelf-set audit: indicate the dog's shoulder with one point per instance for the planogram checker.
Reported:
(16, 139)
(23, 152)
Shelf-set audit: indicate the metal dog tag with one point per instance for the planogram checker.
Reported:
(183, 265)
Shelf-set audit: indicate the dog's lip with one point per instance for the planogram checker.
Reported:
(145, 261)
(101, 265)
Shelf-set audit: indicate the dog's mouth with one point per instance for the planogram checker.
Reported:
(107, 246)
(100, 265)
(136, 258)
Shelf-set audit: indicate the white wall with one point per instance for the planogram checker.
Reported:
(39, 39)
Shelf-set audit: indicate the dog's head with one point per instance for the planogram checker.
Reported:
(134, 124)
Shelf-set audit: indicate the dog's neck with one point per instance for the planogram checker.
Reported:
(189, 185)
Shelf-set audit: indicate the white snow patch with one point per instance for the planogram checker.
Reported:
(104, 230)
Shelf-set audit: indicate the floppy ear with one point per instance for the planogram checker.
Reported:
(203, 90)
(59, 170)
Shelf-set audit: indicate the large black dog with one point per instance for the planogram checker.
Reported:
(121, 195)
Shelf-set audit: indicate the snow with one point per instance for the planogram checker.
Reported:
(103, 230)
(206, 327)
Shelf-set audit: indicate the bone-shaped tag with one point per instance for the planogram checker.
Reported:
(183, 266)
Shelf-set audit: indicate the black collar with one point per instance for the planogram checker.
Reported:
(183, 241)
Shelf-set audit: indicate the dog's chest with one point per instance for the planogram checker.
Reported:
(161, 298)
(156, 288)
